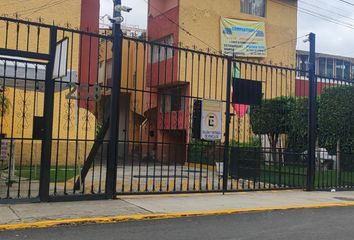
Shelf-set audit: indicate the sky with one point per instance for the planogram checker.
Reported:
(330, 38)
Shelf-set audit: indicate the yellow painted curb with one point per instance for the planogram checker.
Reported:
(198, 166)
(116, 219)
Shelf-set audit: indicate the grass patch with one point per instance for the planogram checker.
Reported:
(60, 174)
(296, 176)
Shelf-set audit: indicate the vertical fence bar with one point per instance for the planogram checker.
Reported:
(46, 153)
(227, 125)
(111, 176)
(312, 114)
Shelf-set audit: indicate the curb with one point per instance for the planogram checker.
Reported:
(116, 219)
(197, 166)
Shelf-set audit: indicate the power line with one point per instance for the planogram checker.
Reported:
(317, 15)
(11, 4)
(179, 26)
(283, 43)
(34, 8)
(49, 4)
(346, 2)
(333, 12)
(334, 6)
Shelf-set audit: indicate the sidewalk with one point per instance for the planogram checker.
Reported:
(163, 206)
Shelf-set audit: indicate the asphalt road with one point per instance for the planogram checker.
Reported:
(326, 223)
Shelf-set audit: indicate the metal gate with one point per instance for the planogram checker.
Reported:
(162, 86)
(54, 111)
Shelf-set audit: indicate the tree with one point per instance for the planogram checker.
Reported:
(271, 119)
(335, 120)
(297, 124)
(143, 36)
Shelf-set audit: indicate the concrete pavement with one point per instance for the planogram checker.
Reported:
(163, 206)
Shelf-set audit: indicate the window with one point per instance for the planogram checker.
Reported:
(176, 100)
(326, 68)
(172, 100)
(330, 64)
(161, 53)
(165, 103)
(339, 69)
(352, 73)
(322, 67)
(346, 70)
(304, 65)
(253, 7)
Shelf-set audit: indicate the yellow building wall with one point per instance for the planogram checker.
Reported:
(202, 19)
(31, 38)
(73, 129)
(59, 12)
(82, 123)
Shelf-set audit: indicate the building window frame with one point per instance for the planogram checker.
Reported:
(322, 66)
(330, 68)
(162, 53)
(339, 65)
(172, 100)
(246, 8)
(304, 65)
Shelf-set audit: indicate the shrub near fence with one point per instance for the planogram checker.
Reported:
(336, 132)
(203, 152)
(245, 159)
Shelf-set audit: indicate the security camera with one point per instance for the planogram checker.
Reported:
(117, 20)
(120, 8)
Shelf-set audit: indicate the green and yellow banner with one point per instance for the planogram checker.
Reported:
(243, 38)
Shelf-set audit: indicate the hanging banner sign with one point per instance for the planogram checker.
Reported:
(211, 120)
(243, 38)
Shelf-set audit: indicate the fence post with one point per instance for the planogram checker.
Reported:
(312, 115)
(111, 175)
(227, 126)
(46, 151)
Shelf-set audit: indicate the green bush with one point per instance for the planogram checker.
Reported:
(203, 152)
(254, 142)
(245, 162)
(297, 129)
(335, 118)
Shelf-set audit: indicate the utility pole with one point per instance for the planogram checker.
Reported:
(312, 126)
(112, 160)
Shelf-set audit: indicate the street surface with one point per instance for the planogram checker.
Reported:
(324, 224)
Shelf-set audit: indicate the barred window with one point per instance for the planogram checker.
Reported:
(171, 100)
(162, 53)
(254, 7)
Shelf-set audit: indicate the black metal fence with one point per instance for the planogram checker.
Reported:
(53, 107)
(160, 152)
(61, 88)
